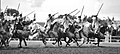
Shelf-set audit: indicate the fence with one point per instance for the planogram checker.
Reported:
(115, 39)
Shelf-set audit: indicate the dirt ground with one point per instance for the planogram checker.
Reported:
(39, 48)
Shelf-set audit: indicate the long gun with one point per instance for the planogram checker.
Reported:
(99, 9)
(73, 11)
(6, 8)
(29, 13)
(18, 6)
(77, 13)
(82, 11)
(55, 14)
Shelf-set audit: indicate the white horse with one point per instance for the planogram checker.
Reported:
(39, 31)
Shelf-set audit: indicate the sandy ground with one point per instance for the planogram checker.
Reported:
(37, 47)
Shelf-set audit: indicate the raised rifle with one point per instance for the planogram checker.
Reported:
(77, 13)
(73, 11)
(18, 6)
(99, 9)
(55, 14)
(29, 13)
(82, 11)
(6, 8)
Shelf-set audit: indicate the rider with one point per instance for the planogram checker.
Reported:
(19, 25)
(48, 23)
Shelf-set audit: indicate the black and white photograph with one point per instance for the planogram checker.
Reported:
(59, 26)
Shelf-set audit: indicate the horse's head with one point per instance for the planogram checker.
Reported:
(95, 25)
(111, 23)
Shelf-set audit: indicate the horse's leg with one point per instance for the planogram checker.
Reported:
(7, 42)
(44, 41)
(76, 41)
(70, 39)
(55, 41)
(25, 42)
(58, 42)
(98, 42)
(84, 40)
(88, 40)
(3, 42)
(66, 41)
(20, 41)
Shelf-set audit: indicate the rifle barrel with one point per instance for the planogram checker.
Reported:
(18, 6)
(55, 14)
(82, 11)
(77, 13)
(73, 11)
(100, 9)
(30, 13)
(6, 8)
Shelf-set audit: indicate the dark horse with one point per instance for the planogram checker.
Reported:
(5, 33)
(20, 33)
(91, 29)
(64, 30)
(55, 32)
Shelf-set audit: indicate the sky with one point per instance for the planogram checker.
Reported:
(44, 7)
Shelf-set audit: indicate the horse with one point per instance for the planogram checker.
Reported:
(20, 33)
(91, 29)
(112, 28)
(40, 32)
(5, 34)
(54, 32)
(67, 30)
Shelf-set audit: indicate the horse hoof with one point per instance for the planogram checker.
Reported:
(73, 41)
(87, 43)
(45, 44)
(90, 42)
(79, 46)
(53, 43)
(60, 43)
(25, 45)
(95, 43)
(7, 45)
(67, 45)
(60, 46)
(20, 47)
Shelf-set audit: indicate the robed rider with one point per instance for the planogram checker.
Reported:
(48, 23)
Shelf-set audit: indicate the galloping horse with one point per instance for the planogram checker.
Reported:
(39, 32)
(5, 34)
(69, 30)
(22, 34)
(91, 30)
(55, 32)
